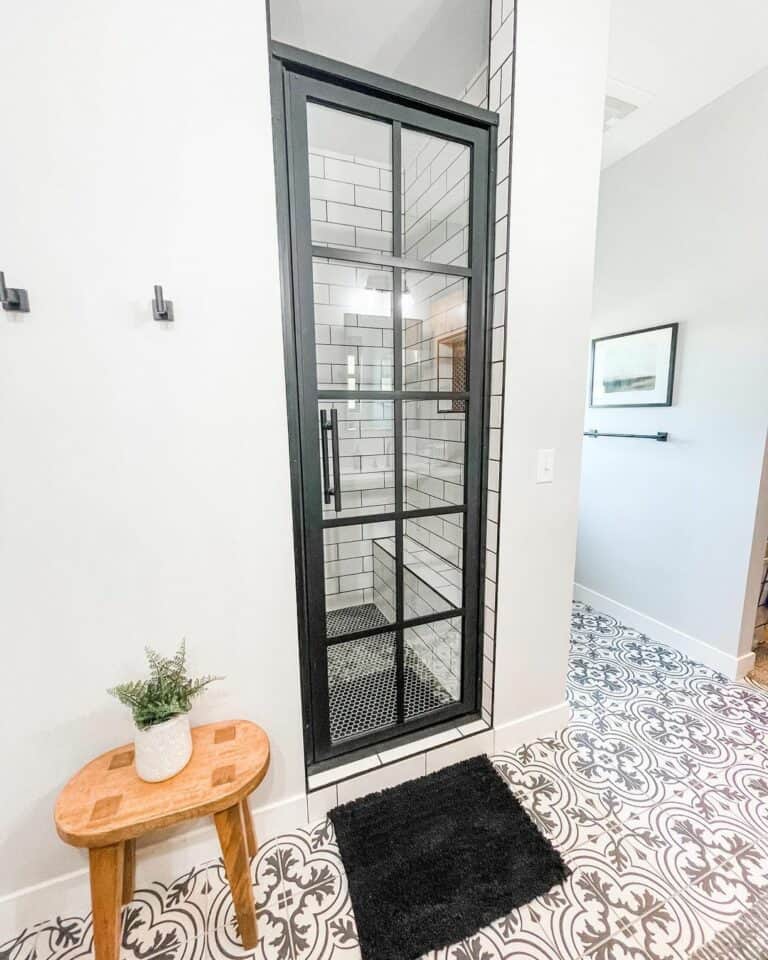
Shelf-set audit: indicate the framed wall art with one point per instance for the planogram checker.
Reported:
(634, 369)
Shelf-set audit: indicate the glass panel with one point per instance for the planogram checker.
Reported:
(432, 666)
(366, 456)
(433, 453)
(350, 179)
(359, 577)
(433, 564)
(435, 184)
(434, 310)
(353, 326)
(362, 686)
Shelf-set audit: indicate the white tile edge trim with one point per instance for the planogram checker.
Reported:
(543, 723)
(732, 667)
(430, 741)
(164, 860)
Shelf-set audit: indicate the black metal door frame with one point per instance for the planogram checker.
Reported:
(299, 77)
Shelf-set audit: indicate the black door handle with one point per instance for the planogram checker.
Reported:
(324, 455)
(336, 460)
(331, 427)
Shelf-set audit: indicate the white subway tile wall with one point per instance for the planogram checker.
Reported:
(366, 456)
(353, 326)
(349, 567)
(351, 200)
(350, 184)
(500, 100)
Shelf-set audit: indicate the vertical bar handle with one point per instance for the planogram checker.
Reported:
(336, 460)
(324, 428)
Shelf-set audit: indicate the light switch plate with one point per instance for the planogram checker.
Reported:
(545, 466)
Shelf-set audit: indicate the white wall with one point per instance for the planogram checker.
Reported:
(667, 529)
(557, 133)
(144, 493)
(144, 488)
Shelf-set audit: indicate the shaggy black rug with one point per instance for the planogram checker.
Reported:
(432, 860)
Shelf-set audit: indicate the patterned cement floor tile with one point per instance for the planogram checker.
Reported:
(656, 794)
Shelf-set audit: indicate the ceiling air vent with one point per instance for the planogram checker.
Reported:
(616, 109)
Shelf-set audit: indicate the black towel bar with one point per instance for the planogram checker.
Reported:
(661, 437)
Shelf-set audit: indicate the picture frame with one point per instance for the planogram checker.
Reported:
(635, 368)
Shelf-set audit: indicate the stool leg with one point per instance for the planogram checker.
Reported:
(250, 835)
(129, 870)
(106, 865)
(231, 831)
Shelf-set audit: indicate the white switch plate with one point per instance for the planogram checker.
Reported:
(545, 466)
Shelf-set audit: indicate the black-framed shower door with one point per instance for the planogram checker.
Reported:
(314, 414)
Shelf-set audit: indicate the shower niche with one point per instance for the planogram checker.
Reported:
(385, 254)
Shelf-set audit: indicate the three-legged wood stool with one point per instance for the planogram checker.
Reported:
(106, 806)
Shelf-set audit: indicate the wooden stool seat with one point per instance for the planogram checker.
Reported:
(105, 807)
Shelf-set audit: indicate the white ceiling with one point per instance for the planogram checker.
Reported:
(436, 44)
(669, 58)
(672, 57)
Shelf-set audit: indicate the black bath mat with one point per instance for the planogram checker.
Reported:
(432, 860)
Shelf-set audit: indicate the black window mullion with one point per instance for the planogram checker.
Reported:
(399, 557)
(355, 255)
(363, 518)
(397, 344)
(392, 395)
(397, 192)
(392, 627)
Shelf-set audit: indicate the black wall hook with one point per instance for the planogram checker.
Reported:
(13, 298)
(162, 309)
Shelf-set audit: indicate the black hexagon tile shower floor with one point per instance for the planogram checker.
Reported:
(362, 676)
(656, 794)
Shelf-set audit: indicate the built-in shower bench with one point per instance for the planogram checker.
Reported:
(431, 583)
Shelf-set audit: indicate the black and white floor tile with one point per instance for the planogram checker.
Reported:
(656, 794)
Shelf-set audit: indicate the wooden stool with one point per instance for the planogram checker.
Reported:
(106, 806)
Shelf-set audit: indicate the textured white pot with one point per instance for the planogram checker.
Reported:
(164, 749)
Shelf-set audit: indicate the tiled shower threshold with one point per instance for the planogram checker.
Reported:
(321, 776)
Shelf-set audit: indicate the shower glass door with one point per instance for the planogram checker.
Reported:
(389, 229)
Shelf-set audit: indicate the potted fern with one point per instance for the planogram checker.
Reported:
(160, 707)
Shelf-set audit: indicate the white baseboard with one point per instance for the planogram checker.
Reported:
(543, 723)
(732, 667)
(163, 859)
(173, 853)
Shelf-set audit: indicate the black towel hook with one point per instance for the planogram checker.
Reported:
(13, 298)
(162, 309)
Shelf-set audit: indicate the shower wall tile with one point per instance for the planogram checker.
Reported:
(358, 203)
(355, 767)
(385, 776)
(353, 208)
(471, 746)
(352, 172)
(420, 746)
(500, 99)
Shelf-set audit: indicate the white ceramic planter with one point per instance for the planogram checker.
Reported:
(164, 749)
